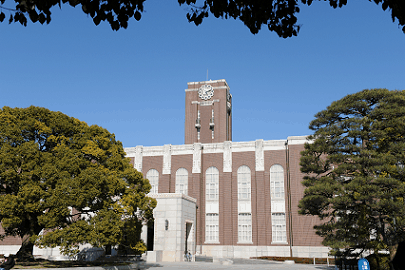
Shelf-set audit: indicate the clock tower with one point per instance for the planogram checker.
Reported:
(208, 112)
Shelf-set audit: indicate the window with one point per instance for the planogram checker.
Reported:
(278, 222)
(245, 228)
(244, 183)
(211, 228)
(153, 176)
(212, 184)
(244, 205)
(277, 182)
(182, 181)
(211, 205)
(279, 233)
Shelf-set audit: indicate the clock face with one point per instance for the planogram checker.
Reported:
(206, 92)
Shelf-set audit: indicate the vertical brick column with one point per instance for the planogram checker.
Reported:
(225, 195)
(197, 191)
(259, 216)
(258, 206)
(234, 202)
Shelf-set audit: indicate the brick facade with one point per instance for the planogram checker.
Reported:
(200, 152)
(299, 229)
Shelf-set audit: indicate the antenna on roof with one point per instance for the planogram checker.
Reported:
(207, 74)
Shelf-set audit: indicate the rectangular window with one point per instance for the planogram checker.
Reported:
(277, 189)
(244, 189)
(279, 233)
(211, 228)
(244, 228)
(211, 192)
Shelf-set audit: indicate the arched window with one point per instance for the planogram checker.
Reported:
(244, 183)
(244, 205)
(212, 205)
(153, 176)
(276, 182)
(212, 184)
(182, 181)
(278, 221)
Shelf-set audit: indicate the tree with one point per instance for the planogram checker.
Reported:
(278, 15)
(64, 183)
(355, 176)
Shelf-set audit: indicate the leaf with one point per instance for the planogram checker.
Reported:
(41, 18)
(137, 15)
(33, 15)
(96, 20)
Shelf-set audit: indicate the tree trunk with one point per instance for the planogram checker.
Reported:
(398, 259)
(26, 249)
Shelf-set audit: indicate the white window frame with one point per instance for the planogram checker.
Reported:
(182, 181)
(244, 183)
(244, 197)
(211, 228)
(277, 182)
(212, 184)
(279, 228)
(153, 176)
(245, 228)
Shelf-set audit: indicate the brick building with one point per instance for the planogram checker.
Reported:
(222, 198)
(217, 197)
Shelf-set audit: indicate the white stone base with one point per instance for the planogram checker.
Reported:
(9, 249)
(52, 254)
(310, 252)
(153, 256)
(246, 252)
(87, 253)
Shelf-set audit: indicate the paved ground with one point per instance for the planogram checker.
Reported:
(237, 265)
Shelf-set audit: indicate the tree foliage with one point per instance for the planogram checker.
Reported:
(278, 15)
(355, 176)
(64, 183)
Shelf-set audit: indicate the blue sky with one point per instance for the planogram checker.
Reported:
(132, 81)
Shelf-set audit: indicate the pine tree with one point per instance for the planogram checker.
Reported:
(355, 177)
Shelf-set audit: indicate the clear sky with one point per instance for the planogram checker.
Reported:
(132, 82)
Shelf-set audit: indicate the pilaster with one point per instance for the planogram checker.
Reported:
(227, 156)
(197, 157)
(259, 154)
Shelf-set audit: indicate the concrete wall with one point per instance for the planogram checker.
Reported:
(172, 214)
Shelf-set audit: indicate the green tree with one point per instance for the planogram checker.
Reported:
(64, 183)
(278, 15)
(355, 177)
